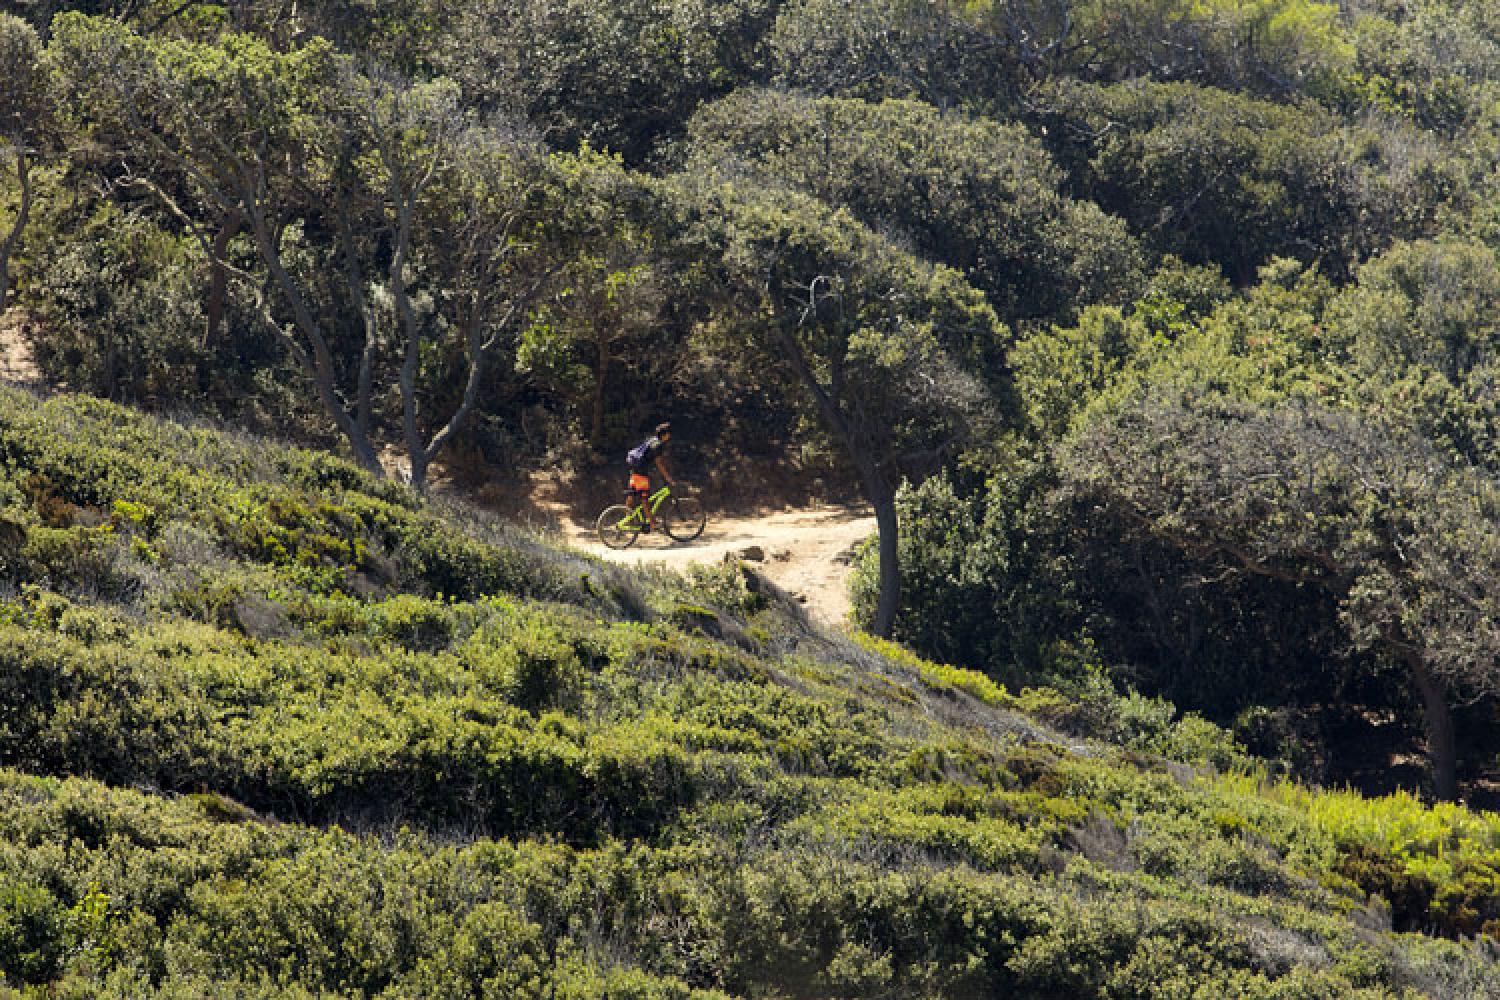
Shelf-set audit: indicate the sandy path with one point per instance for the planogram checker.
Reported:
(805, 552)
(17, 366)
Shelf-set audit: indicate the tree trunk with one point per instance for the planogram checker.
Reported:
(319, 362)
(877, 489)
(13, 238)
(889, 602)
(355, 282)
(411, 432)
(601, 370)
(218, 281)
(1442, 753)
(419, 465)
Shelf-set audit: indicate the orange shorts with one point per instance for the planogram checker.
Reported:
(640, 483)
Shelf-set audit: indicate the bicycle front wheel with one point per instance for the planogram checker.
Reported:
(683, 518)
(617, 528)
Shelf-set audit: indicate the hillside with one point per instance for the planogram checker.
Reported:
(1160, 339)
(272, 728)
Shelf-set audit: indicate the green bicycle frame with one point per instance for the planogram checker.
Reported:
(654, 501)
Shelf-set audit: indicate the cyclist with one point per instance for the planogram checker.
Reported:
(640, 459)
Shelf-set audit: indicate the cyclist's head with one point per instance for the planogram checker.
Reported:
(663, 430)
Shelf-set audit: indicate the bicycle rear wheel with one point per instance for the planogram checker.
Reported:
(682, 518)
(617, 528)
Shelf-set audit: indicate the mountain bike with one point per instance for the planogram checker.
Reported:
(681, 517)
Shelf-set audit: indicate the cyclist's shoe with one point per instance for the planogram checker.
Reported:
(646, 529)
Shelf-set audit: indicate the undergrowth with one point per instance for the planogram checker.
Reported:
(269, 727)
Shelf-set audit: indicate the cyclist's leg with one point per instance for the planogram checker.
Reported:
(636, 494)
(650, 508)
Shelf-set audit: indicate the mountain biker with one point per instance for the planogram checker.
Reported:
(640, 460)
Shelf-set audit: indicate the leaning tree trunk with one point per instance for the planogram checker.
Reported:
(316, 359)
(1442, 752)
(877, 488)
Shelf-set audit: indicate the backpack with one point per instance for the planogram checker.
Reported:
(636, 457)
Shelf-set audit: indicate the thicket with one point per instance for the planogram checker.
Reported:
(1248, 502)
(1011, 253)
(270, 727)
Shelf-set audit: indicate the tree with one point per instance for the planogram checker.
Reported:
(620, 76)
(987, 55)
(479, 251)
(1421, 330)
(451, 215)
(1228, 179)
(977, 195)
(25, 108)
(1408, 544)
(603, 321)
(228, 132)
(869, 334)
(1008, 565)
(614, 296)
(352, 188)
(1269, 46)
(980, 55)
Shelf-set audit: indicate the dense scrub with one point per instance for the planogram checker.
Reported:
(847, 246)
(1176, 318)
(1262, 502)
(271, 728)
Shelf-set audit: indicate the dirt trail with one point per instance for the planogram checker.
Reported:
(807, 552)
(17, 366)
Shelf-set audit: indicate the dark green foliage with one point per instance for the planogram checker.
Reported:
(621, 77)
(970, 562)
(975, 195)
(27, 133)
(1217, 177)
(118, 312)
(940, 54)
(31, 932)
(1402, 541)
(1276, 47)
(988, 55)
(1304, 603)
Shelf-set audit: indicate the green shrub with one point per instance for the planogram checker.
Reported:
(32, 925)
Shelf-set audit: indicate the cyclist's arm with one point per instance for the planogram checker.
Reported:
(661, 466)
